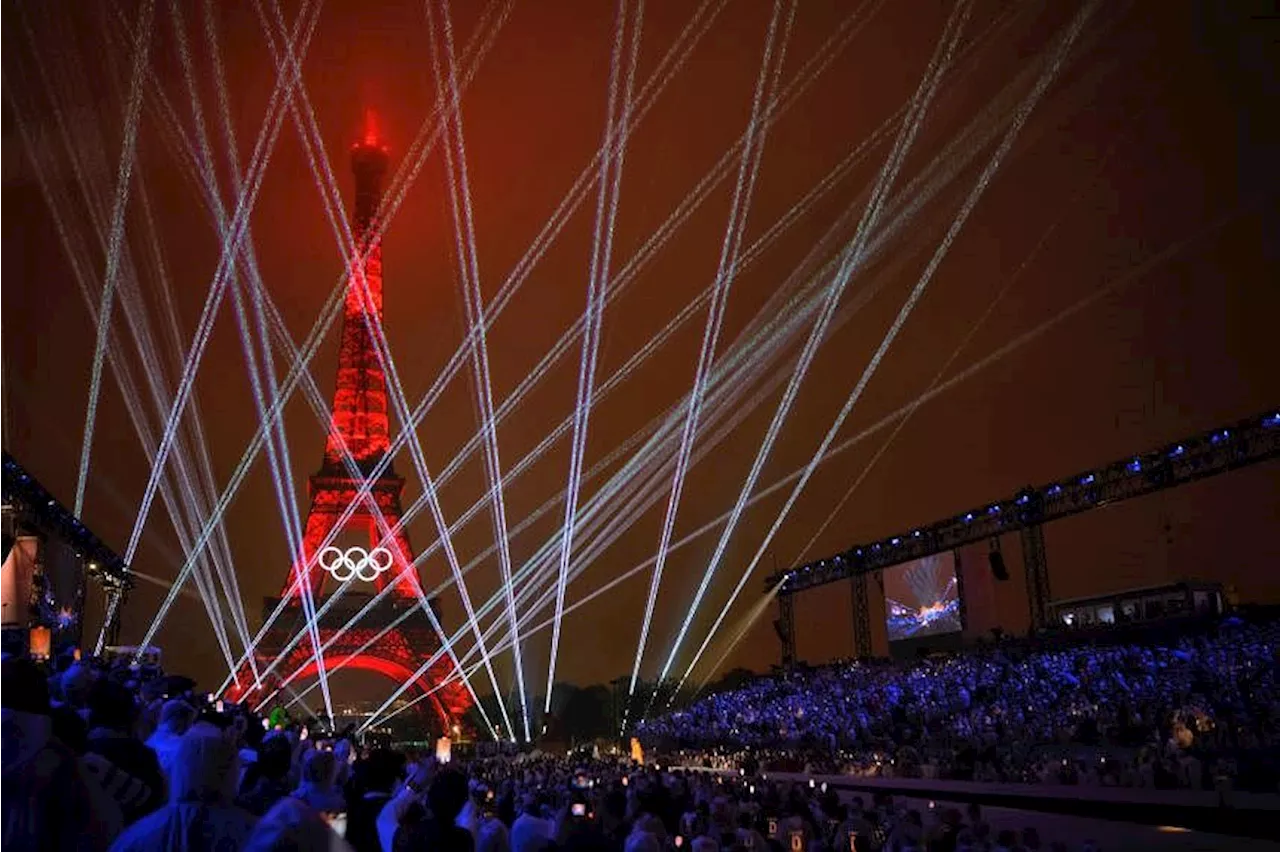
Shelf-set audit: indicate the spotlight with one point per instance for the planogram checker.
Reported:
(1177, 451)
(1088, 480)
(1134, 466)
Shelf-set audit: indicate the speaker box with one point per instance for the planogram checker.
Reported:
(997, 566)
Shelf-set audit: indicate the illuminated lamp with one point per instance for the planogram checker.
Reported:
(41, 643)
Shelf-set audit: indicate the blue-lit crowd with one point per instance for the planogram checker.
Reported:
(100, 755)
(97, 758)
(1195, 711)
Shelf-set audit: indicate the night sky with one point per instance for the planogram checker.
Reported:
(1140, 198)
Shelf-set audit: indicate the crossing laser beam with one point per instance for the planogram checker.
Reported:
(1059, 55)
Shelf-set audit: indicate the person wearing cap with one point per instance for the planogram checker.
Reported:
(49, 801)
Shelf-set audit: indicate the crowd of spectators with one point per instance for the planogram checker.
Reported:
(115, 757)
(100, 755)
(1195, 711)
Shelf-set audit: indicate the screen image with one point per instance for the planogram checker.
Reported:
(922, 598)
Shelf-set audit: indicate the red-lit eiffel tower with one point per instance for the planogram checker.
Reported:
(332, 546)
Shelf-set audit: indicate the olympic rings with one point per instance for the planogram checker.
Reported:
(355, 563)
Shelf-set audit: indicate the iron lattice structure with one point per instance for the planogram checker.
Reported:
(1208, 454)
(1246, 443)
(360, 427)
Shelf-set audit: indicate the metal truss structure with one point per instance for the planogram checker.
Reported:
(1208, 454)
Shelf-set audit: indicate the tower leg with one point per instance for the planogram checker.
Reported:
(861, 616)
(1037, 568)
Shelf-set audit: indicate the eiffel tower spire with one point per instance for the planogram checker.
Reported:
(360, 398)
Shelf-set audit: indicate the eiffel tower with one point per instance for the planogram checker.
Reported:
(356, 549)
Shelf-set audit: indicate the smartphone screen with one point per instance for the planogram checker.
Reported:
(797, 841)
(773, 828)
(679, 841)
(338, 822)
(579, 809)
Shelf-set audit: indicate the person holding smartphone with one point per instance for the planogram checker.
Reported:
(430, 821)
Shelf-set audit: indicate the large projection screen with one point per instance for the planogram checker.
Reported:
(922, 598)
